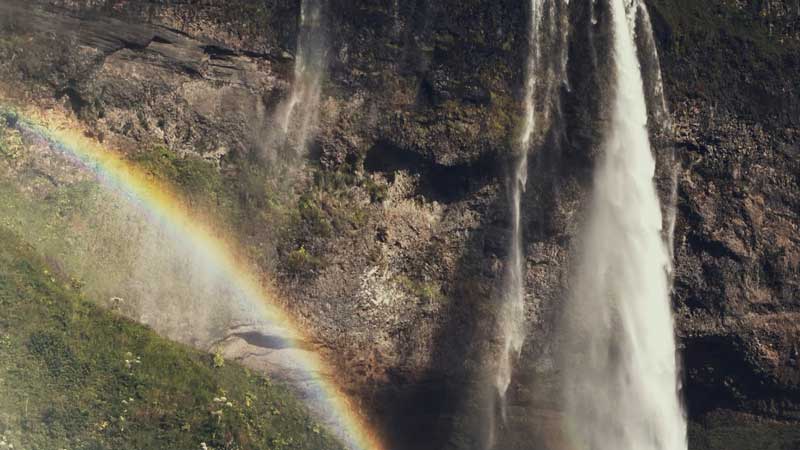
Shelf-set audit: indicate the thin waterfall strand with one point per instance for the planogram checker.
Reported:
(545, 72)
(513, 311)
(621, 390)
(297, 115)
(655, 90)
(663, 121)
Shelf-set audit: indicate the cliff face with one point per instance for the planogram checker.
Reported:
(735, 96)
(393, 230)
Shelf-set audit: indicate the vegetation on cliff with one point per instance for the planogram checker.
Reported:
(727, 431)
(729, 55)
(75, 376)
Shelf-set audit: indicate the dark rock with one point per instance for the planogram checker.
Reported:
(417, 123)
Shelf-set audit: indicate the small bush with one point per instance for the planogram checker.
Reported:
(427, 291)
(219, 360)
(314, 219)
(378, 192)
(197, 178)
(57, 356)
(300, 262)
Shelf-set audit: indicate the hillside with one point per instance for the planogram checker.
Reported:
(75, 376)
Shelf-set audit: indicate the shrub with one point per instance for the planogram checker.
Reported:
(300, 262)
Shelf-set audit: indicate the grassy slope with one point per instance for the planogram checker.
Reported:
(65, 382)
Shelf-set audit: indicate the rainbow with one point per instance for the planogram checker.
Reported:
(161, 204)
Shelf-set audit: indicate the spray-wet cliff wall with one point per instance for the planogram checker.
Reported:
(390, 234)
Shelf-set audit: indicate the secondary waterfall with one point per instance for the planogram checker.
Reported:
(659, 113)
(298, 113)
(620, 386)
(546, 67)
(513, 309)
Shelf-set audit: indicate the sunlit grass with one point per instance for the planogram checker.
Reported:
(75, 376)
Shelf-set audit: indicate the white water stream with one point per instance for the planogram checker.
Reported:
(620, 375)
(297, 115)
(513, 308)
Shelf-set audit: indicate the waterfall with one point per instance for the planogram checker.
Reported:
(548, 30)
(655, 87)
(620, 386)
(298, 113)
(659, 112)
(512, 315)
(396, 24)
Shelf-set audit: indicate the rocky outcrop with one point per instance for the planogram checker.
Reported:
(737, 263)
(401, 201)
(736, 284)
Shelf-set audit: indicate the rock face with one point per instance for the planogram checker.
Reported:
(402, 195)
(736, 285)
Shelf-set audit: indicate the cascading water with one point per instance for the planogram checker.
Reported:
(513, 308)
(548, 29)
(620, 386)
(397, 25)
(298, 113)
(659, 113)
(654, 89)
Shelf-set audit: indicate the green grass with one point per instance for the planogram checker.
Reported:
(427, 291)
(258, 204)
(75, 376)
(246, 197)
(731, 434)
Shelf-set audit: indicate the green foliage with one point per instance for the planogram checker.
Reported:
(300, 262)
(197, 178)
(427, 291)
(725, 53)
(246, 197)
(705, 24)
(314, 219)
(219, 360)
(57, 356)
(75, 376)
(378, 192)
(504, 121)
(334, 181)
(336, 190)
(9, 138)
(260, 206)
